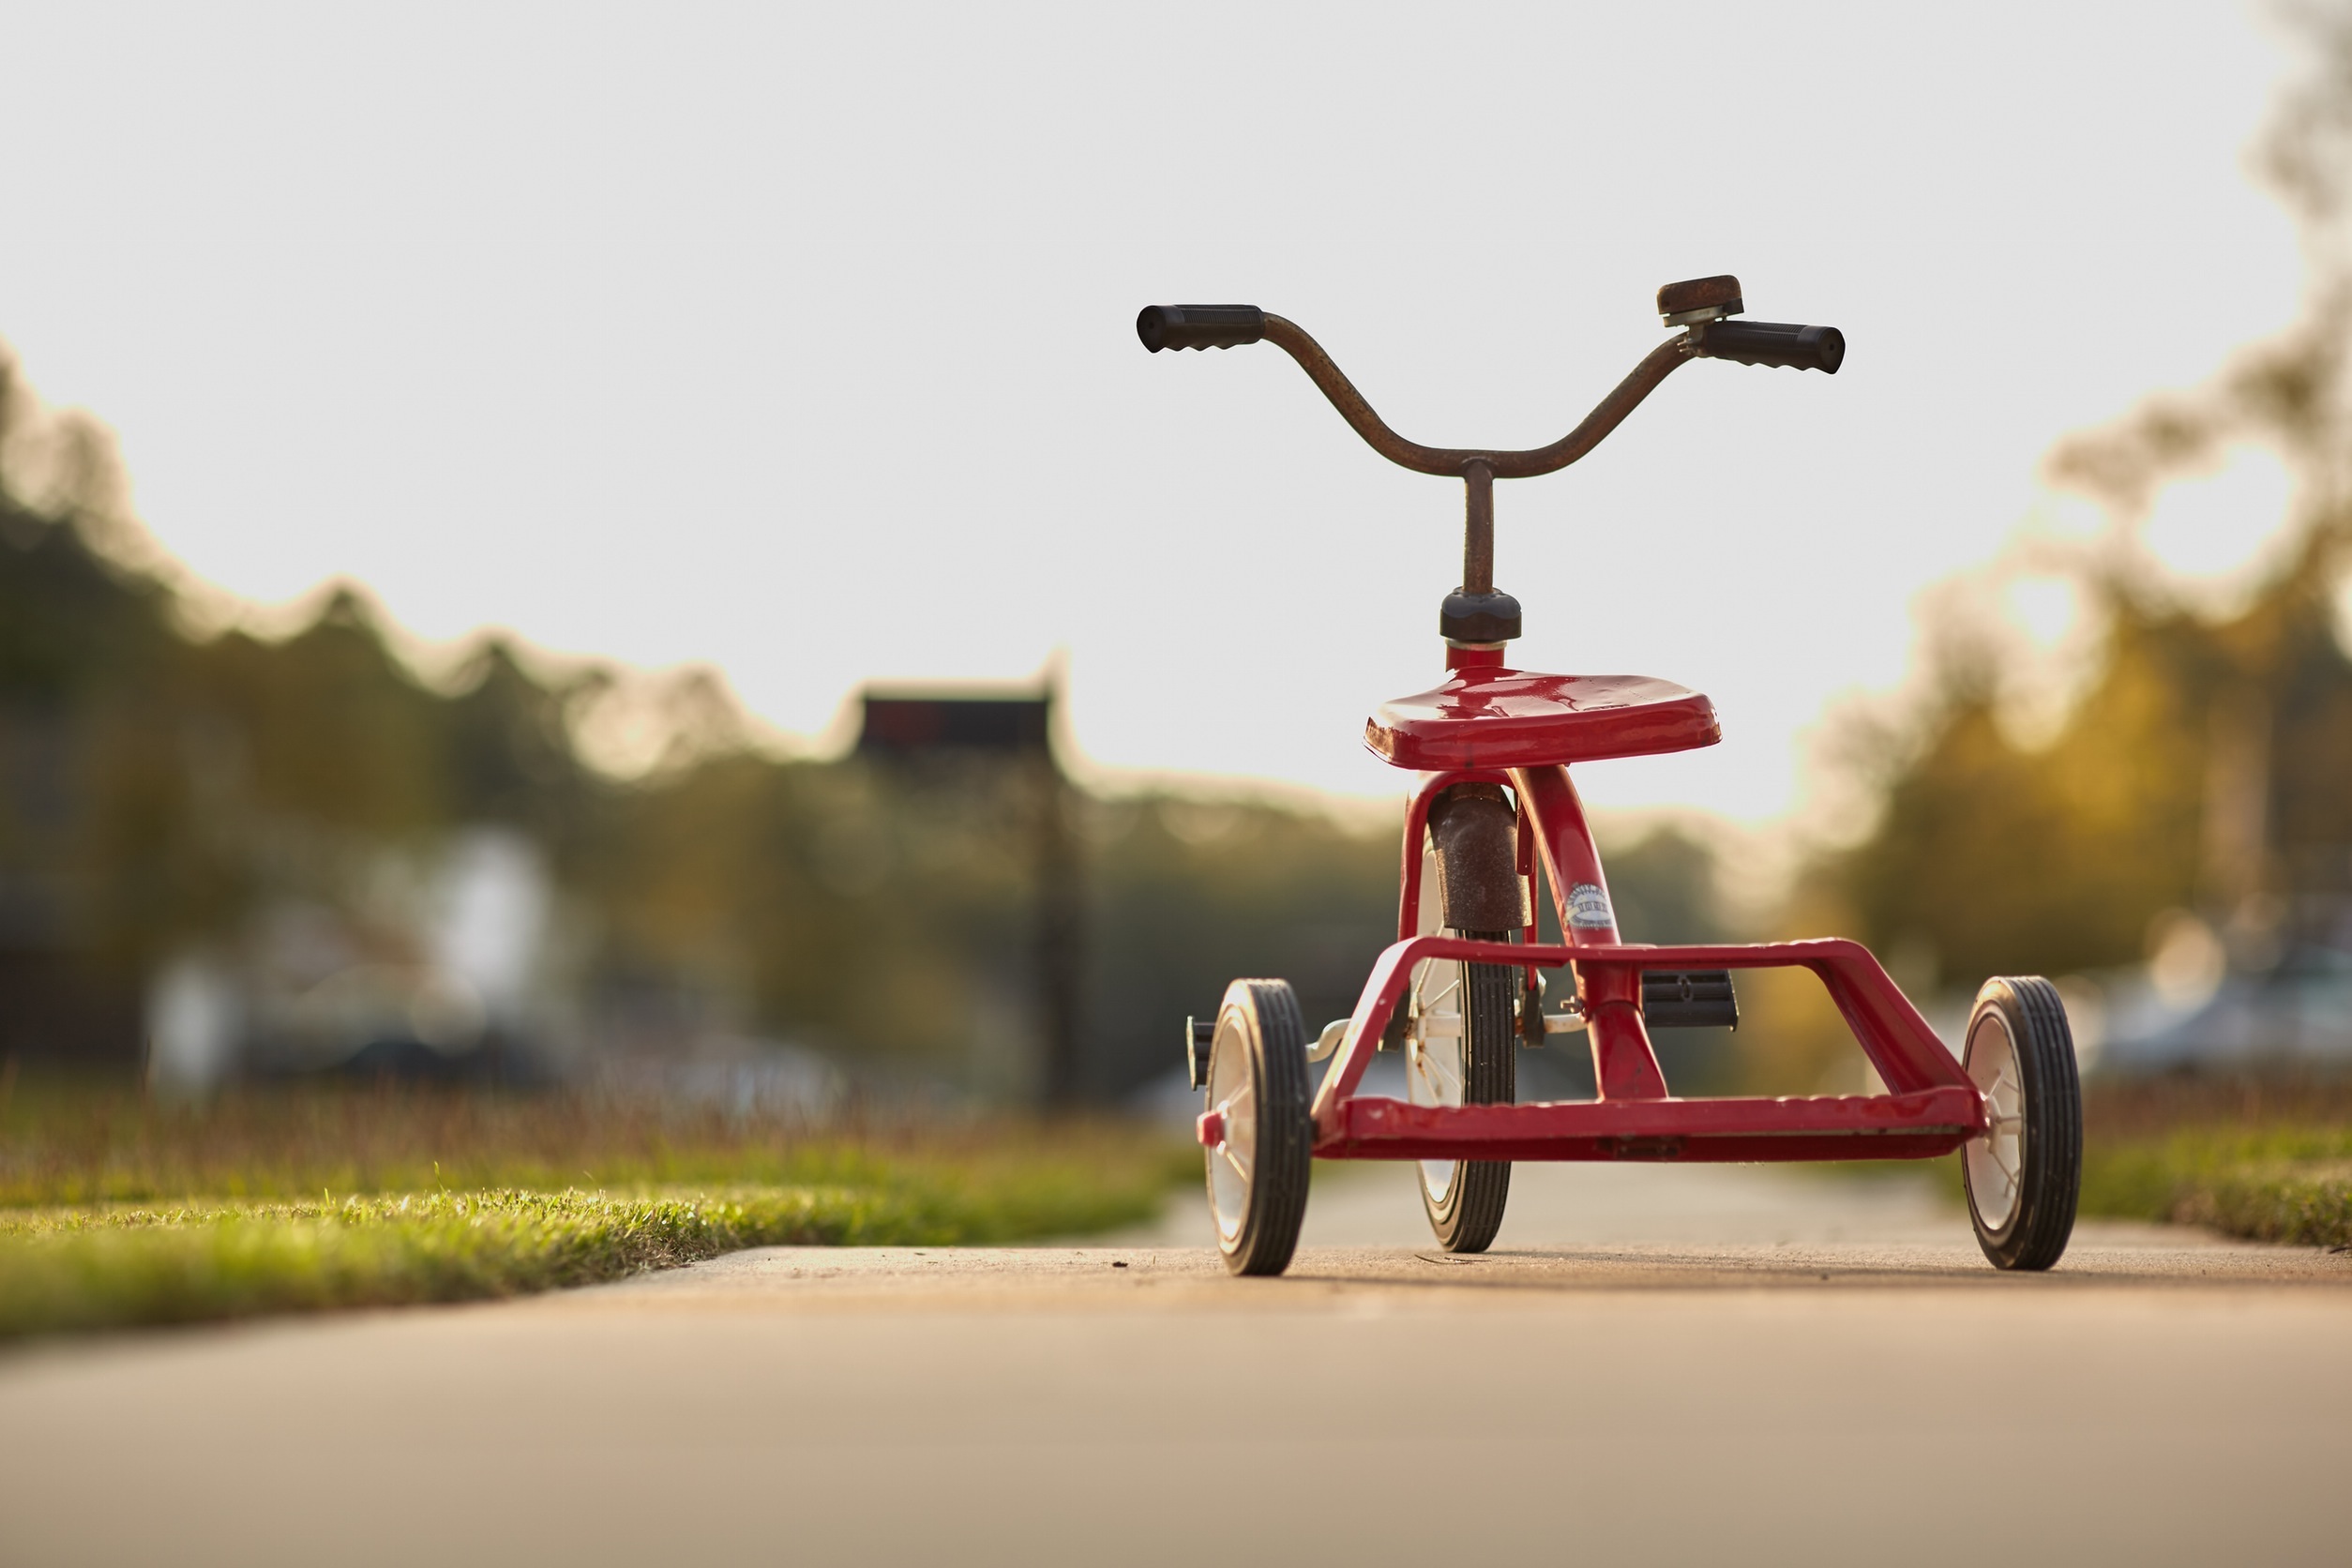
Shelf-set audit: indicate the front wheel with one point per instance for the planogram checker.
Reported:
(1259, 1135)
(1458, 1051)
(2026, 1173)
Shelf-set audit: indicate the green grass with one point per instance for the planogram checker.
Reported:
(115, 1212)
(2291, 1184)
(2266, 1159)
(71, 1144)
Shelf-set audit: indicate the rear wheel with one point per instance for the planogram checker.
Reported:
(2024, 1174)
(1263, 1148)
(1458, 1044)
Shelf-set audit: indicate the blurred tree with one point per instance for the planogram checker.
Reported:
(2206, 765)
(162, 793)
(1662, 885)
(1189, 895)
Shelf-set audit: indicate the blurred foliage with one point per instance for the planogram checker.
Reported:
(2201, 763)
(161, 790)
(1662, 885)
(157, 784)
(1991, 855)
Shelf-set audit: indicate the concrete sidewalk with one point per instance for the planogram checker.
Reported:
(1667, 1364)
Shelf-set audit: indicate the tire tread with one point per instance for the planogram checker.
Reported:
(1471, 1216)
(2052, 1148)
(1286, 1134)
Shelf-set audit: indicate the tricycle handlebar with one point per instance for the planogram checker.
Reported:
(1205, 327)
(1453, 462)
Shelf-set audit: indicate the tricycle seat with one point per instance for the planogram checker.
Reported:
(1497, 718)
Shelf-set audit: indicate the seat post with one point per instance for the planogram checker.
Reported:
(1478, 530)
(1475, 616)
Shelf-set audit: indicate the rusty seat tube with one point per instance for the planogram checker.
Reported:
(1478, 528)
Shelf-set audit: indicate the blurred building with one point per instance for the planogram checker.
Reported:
(460, 980)
(941, 738)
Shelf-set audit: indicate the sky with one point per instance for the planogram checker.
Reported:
(797, 340)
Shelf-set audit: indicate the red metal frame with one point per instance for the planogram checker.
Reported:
(1930, 1108)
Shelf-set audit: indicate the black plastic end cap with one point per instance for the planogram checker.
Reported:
(1830, 352)
(1200, 326)
(1492, 617)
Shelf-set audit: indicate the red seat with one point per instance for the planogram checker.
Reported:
(1515, 718)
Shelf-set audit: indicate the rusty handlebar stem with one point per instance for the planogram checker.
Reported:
(1458, 462)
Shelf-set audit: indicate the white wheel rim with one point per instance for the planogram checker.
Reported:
(1233, 1095)
(1437, 1054)
(1996, 1160)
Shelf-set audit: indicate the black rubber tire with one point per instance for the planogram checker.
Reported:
(1260, 1019)
(1472, 1214)
(2033, 1234)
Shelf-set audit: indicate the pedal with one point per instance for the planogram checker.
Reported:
(1689, 999)
(1200, 1034)
(1328, 1041)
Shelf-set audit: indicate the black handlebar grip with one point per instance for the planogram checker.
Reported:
(1200, 326)
(1800, 348)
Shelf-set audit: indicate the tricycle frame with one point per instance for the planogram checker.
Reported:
(1931, 1106)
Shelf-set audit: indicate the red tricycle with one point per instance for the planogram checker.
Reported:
(1492, 819)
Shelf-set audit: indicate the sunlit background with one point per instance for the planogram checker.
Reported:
(651, 381)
